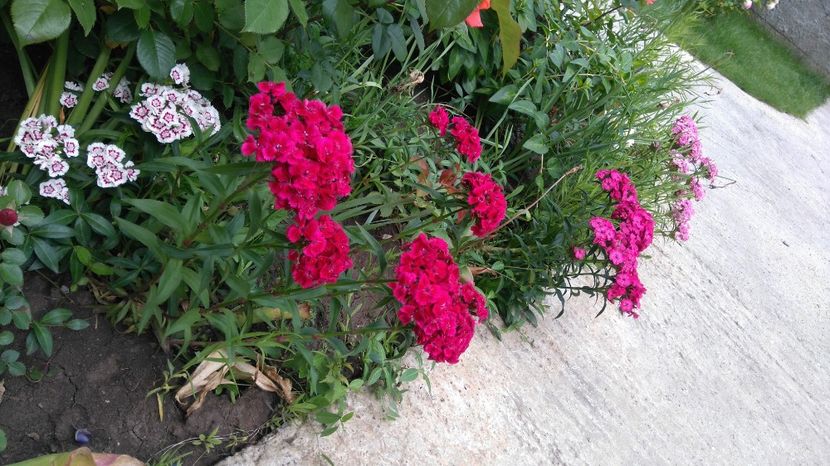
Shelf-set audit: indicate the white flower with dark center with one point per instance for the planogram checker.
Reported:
(68, 100)
(102, 83)
(180, 74)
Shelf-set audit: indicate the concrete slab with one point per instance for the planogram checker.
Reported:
(727, 365)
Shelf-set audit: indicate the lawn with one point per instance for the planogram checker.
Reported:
(756, 61)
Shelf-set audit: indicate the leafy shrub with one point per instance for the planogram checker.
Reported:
(230, 261)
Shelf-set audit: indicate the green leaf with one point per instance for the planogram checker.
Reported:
(40, 20)
(11, 274)
(47, 254)
(181, 11)
(265, 16)
(537, 144)
(298, 7)
(52, 231)
(44, 338)
(6, 337)
(256, 68)
(83, 254)
(156, 53)
(377, 249)
(77, 324)
(203, 14)
(510, 34)
(525, 107)
(15, 302)
(208, 56)
(19, 191)
(341, 14)
(142, 235)
(101, 225)
(505, 95)
(13, 256)
(99, 268)
(3, 441)
(131, 4)
(16, 369)
(5, 316)
(170, 279)
(9, 356)
(22, 319)
(444, 13)
(85, 12)
(271, 49)
(231, 14)
(327, 418)
(409, 375)
(56, 316)
(161, 211)
(121, 27)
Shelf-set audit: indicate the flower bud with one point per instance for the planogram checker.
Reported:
(8, 217)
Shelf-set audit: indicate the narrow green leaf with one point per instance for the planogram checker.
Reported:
(409, 375)
(56, 316)
(44, 338)
(77, 324)
(142, 235)
(47, 255)
(161, 211)
(101, 225)
(170, 279)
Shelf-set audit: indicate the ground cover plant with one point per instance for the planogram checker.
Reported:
(291, 195)
(750, 56)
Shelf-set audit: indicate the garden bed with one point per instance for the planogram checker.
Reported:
(99, 379)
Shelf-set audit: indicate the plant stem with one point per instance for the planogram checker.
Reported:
(96, 110)
(22, 57)
(85, 99)
(57, 75)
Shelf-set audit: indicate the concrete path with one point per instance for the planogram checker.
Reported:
(729, 363)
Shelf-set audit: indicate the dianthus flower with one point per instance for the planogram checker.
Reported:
(486, 200)
(307, 145)
(466, 137)
(180, 74)
(622, 244)
(440, 119)
(325, 254)
(686, 136)
(102, 83)
(433, 299)
(110, 167)
(122, 91)
(688, 159)
(56, 189)
(164, 112)
(49, 145)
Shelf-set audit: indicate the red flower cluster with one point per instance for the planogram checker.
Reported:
(487, 203)
(326, 254)
(467, 140)
(311, 153)
(623, 244)
(312, 167)
(434, 299)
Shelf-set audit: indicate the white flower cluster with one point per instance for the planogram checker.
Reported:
(48, 143)
(165, 110)
(69, 97)
(110, 167)
(122, 91)
(55, 188)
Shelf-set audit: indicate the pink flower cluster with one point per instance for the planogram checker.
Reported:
(688, 159)
(325, 255)
(433, 298)
(487, 202)
(110, 167)
(622, 244)
(165, 112)
(311, 157)
(467, 140)
(49, 145)
(56, 189)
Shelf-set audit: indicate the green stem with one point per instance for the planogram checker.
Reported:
(22, 57)
(79, 112)
(57, 75)
(96, 110)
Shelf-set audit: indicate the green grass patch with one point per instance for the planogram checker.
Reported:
(756, 61)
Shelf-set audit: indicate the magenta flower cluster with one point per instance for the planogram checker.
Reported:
(624, 242)
(688, 159)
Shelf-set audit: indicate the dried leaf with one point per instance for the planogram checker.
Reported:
(282, 382)
(203, 376)
(2, 390)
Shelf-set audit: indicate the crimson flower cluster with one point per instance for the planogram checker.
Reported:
(487, 202)
(311, 157)
(434, 299)
(622, 244)
(467, 140)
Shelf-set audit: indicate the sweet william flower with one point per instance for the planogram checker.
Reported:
(474, 19)
(439, 119)
(486, 200)
(579, 253)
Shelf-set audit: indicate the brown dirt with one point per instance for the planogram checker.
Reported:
(99, 379)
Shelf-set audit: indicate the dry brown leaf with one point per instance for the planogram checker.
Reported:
(2, 390)
(203, 376)
(282, 382)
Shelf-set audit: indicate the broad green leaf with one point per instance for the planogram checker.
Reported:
(47, 255)
(537, 144)
(13, 256)
(271, 49)
(121, 27)
(265, 16)
(77, 324)
(298, 7)
(9, 356)
(203, 15)
(445, 13)
(101, 225)
(131, 4)
(56, 316)
(525, 107)
(40, 20)
(208, 56)
(510, 34)
(231, 14)
(181, 11)
(6, 337)
(505, 95)
(409, 375)
(3, 441)
(16, 369)
(341, 14)
(142, 235)
(22, 319)
(169, 280)
(156, 53)
(44, 338)
(11, 274)
(161, 211)
(85, 12)
(20, 192)
(83, 254)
